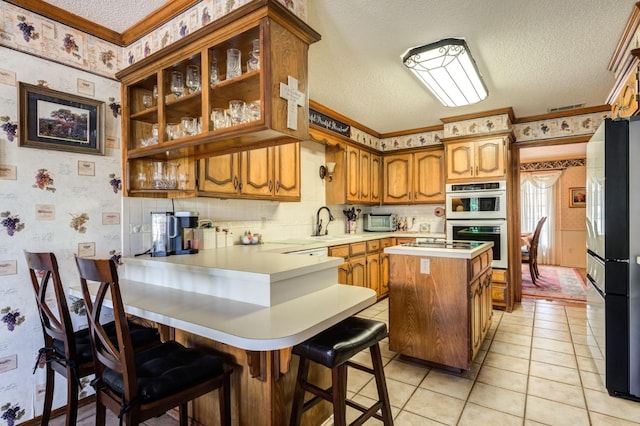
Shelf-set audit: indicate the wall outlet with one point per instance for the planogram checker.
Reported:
(425, 266)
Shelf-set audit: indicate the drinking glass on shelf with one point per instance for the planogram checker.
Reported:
(142, 179)
(254, 57)
(219, 118)
(177, 83)
(236, 109)
(155, 91)
(234, 63)
(147, 101)
(193, 78)
(182, 180)
(213, 73)
(253, 111)
(189, 126)
(173, 131)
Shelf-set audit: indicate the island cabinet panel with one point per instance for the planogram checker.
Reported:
(257, 400)
(439, 307)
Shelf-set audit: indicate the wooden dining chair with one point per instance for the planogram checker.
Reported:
(530, 254)
(66, 351)
(139, 386)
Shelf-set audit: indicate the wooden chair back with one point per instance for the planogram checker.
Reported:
(55, 320)
(61, 351)
(106, 354)
(535, 239)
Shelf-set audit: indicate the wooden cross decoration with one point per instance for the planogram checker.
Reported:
(295, 98)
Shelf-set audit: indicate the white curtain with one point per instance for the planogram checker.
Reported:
(538, 195)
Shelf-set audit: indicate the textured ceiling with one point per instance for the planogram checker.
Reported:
(533, 54)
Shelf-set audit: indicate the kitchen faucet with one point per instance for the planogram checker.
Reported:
(319, 222)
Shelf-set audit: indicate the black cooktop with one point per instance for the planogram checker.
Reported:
(459, 245)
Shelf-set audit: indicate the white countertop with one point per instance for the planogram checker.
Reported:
(439, 251)
(287, 245)
(243, 325)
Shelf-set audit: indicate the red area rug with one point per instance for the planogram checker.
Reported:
(555, 282)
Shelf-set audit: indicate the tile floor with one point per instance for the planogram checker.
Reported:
(534, 369)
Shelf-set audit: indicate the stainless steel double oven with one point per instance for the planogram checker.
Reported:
(478, 212)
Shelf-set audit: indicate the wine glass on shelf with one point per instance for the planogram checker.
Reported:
(193, 78)
(155, 91)
(177, 84)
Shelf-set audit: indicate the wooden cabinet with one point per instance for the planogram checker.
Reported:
(356, 179)
(414, 178)
(476, 159)
(284, 43)
(264, 173)
(500, 289)
(363, 264)
(384, 265)
(439, 308)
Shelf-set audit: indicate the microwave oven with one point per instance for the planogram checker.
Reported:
(380, 222)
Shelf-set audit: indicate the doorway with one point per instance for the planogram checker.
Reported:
(548, 176)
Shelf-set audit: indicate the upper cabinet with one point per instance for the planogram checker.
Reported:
(476, 159)
(414, 178)
(271, 173)
(356, 179)
(263, 101)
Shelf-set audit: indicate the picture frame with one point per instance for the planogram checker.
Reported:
(577, 197)
(60, 121)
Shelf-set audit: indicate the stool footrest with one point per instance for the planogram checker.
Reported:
(360, 367)
(367, 412)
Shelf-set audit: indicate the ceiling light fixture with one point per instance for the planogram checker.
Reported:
(448, 70)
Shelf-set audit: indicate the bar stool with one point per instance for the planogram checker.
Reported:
(333, 348)
(66, 351)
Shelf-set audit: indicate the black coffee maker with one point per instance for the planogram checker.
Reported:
(174, 233)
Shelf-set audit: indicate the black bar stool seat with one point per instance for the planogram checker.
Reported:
(333, 348)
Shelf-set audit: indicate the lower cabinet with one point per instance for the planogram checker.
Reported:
(366, 265)
(500, 289)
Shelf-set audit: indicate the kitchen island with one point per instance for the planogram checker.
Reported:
(440, 300)
(208, 300)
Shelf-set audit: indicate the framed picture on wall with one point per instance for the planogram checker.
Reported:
(60, 121)
(577, 197)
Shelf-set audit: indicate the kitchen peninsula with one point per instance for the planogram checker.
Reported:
(251, 305)
(440, 300)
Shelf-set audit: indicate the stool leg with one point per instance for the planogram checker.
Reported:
(298, 396)
(184, 414)
(339, 394)
(381, 384)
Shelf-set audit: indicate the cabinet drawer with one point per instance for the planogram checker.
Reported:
(357, 248)
(499, 293)
(480, 263)
(387, 242)
(339, 251)
(373, 246)
(499, 275)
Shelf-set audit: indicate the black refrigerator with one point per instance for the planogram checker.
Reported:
(613, 247)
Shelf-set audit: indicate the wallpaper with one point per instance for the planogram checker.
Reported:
(63, 202)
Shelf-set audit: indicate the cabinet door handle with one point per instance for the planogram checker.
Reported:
(235, 182)
(476, 170)
(270, 185)
(277, 186)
